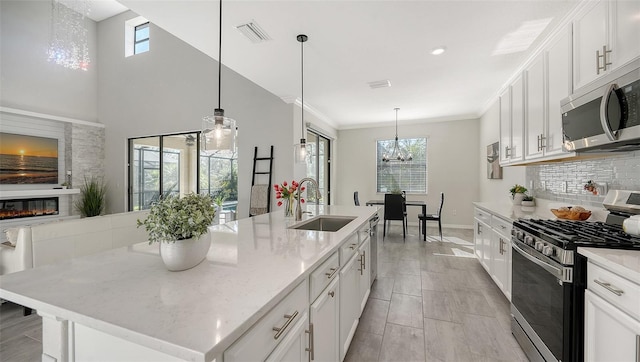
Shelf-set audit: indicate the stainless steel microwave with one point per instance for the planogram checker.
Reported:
(604, 116)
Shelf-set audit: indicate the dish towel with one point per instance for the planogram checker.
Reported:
(258, 203)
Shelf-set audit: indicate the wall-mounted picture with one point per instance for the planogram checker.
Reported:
(494, 171)
(28, 159)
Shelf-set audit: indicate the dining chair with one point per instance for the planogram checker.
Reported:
(394, 209)
(356, 200)
(422, 218)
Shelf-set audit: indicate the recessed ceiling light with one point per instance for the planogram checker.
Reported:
(438, 50)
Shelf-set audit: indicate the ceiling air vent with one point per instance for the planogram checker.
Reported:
(253, 32)
(380, 84)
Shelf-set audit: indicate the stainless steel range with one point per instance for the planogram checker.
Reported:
(549, 277)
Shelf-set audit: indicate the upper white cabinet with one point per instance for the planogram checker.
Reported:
(512, 123)
(606, 35)
(548, 81)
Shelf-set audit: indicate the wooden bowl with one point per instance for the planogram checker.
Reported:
(571, 215)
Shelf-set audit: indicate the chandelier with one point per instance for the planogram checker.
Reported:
(396, 154)
(218, 131)
(68, 45)
(301, 148)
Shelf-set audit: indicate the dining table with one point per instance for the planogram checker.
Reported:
(422, 204)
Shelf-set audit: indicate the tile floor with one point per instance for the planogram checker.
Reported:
(432, 301)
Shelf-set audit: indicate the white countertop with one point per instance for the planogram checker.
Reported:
(542, 210)
(622, 262)
(194, 314)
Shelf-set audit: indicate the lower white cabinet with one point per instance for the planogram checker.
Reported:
(492, 238)
(364, 281)
(349, 302)
(295, 346)
(325, 323)
(610, 334)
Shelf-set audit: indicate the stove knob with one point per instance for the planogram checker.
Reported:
(539, 245)
(547, 250)
(520, 235)
(528, 240)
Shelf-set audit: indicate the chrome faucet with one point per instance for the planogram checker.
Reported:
(298, 207)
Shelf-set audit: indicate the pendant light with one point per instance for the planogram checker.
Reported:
(301, 148)
(396, 154)
(218, 131)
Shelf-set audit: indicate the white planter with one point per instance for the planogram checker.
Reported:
(517, 199)
(185, 254)
(528, 203)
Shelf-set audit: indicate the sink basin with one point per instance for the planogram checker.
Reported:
(325, 223)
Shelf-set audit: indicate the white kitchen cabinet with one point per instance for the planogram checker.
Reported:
(364, 282)
(492, 237)
(295, 346)
(606, 35)
(535, 108)
(512, 123)
(610, 334)
(349, 302)
(325, 318)
(501, 254)
(558, 87)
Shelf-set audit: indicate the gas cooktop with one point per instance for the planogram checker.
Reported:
(570, 234)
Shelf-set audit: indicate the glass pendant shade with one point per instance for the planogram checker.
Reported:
(300, 151)
(218, 132)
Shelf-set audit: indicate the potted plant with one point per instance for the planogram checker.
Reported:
(517, 193)
(65, 185)
(92, 200)
(528, 200)
(180, 225)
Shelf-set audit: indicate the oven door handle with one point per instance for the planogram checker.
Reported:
(563, 274)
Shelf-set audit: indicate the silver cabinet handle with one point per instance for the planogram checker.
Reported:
(609, 287)
(539, 142)
(506, 152)
(364, 259)
(280, 330)
(331, 273)
(604, 59)
(332, 293)
(637, 347)
(542, 143)
(310, 349)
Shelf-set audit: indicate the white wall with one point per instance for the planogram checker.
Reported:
(169, 89)
(452, 166)
(28, 80)
(496, 190)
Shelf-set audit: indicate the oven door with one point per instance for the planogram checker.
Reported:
(542, 302)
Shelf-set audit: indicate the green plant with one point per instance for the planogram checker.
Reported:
(176, 218)
(218, 200)
(92, 199)
(65, 184)
(517, 189)
(527, 198)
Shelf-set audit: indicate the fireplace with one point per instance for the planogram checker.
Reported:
(21, 208)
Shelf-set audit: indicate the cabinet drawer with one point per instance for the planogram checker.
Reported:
(348, 249)
(608, 285)
(482, 215)
(502, 226)
(261, 339)
(323, 275)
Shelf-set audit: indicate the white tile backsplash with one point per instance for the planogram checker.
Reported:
(619, 171)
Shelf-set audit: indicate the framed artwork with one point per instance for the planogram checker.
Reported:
(28, 159)
(494, 171)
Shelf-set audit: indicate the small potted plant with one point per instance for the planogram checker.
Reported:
(65, 185)
(517, 194)
(180, 225)
(92, 200)
(528, 200)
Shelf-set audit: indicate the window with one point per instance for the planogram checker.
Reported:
(141, 38)
(219, 177)
(136, 36)
(409, 176)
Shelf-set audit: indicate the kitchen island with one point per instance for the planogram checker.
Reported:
(125, 305)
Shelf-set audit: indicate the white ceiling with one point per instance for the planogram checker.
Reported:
(352, 43)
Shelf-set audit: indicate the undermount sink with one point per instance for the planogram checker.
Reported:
(324, 223)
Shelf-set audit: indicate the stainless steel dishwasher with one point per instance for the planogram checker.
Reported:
(373, 233)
